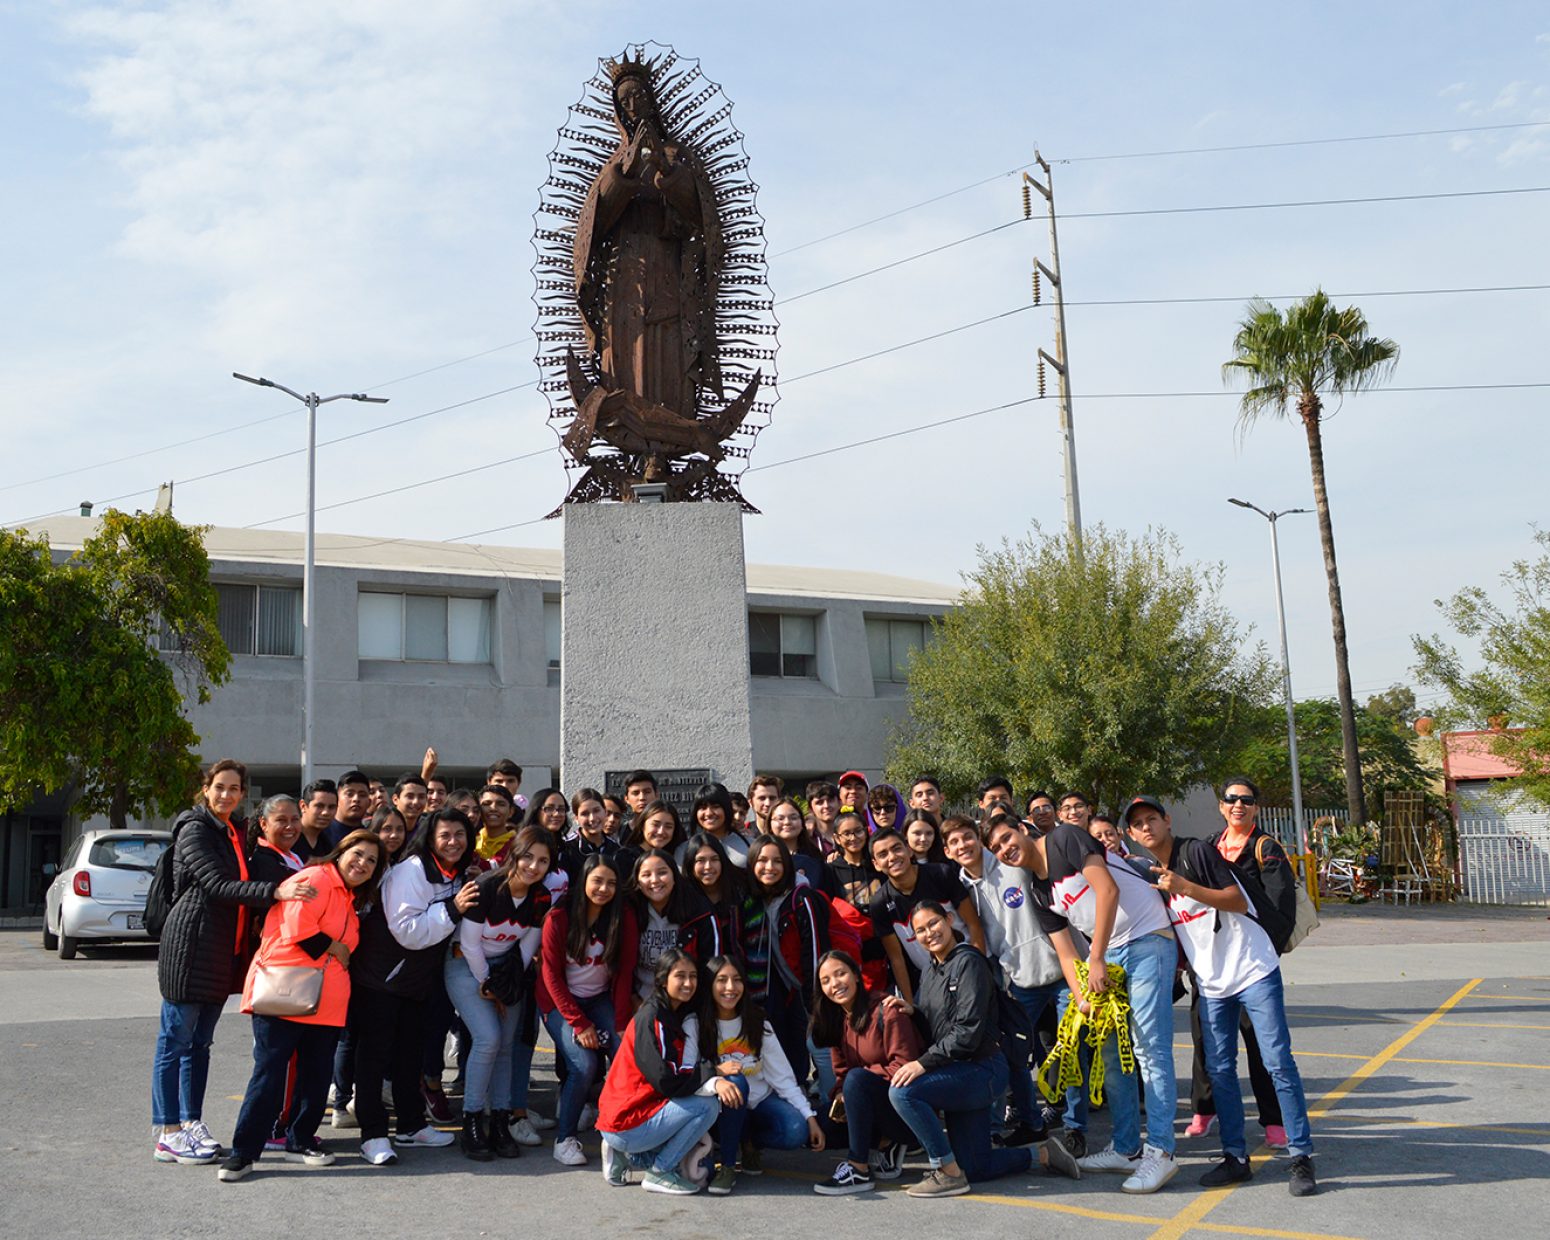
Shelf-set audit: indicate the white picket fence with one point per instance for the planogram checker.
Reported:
(1505, 859)
(1281, 822)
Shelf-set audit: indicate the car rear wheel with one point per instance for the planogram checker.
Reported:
(67, 946)
(50, 939)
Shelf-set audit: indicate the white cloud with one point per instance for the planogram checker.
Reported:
(270, 144)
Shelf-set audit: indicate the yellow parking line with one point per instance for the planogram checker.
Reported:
(1232, 1229)
(1457, 1063)
(1542, 1131)
(1055, 1207)
(1193, 1214)
(1513, 998)
(1483, 1024)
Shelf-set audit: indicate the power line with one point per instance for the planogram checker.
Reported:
(1309, 202)
(1396, 292)
(1270, 146)
(899, 262)
(411, 486)
(914, 206)
(280, 456)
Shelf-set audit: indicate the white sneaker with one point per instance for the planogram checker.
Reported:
(588, 1120)
(378, 1152)
(616, 1166)
(1110, 1159)
(540, 1121)
(202, 1137)
(344, 1117)
(569, 1152)
(426, 1138)
(179, 1147)
(523, 1132)
(1155, 1170)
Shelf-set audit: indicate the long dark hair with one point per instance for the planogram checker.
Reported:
(788, 880)
(665, 962)
(678, 909)
(425, 835)
(375, 823)
(734, 882)
(935, 852)
(535, 810)
(526, 838)
(606, 927)
(829, 1018)
(748, 1009)
(635, 839)
(367, 891)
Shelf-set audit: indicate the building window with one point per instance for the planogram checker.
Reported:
(552, 638)
(263, 620)
(891, 643)
(782, 645)
(424, 628)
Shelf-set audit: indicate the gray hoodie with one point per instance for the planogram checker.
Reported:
(1012, 933)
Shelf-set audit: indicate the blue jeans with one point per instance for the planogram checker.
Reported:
(181, 1065)
(275, 1040)
(823, 1065)
(776, 1125)
(1033, 1000)
(869, 1114)
(964, 1091)
(487, 1083)
(583, 1064)
(670, 1134)
(1148, 963)
(1266, 1007)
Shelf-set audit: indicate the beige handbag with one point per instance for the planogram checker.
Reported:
(286, 990)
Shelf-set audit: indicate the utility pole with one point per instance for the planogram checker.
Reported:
(308, 596)
(1286, 663)
(1060, 362)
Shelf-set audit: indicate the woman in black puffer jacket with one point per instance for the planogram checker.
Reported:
(205, 948)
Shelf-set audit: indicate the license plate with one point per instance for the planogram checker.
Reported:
(137, 921)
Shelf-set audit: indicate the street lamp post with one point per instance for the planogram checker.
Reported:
(1286, 664)
(308, 597)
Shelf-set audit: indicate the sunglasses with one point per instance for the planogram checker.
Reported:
(1239, 798)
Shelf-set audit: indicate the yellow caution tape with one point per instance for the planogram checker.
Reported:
(1109, 1018)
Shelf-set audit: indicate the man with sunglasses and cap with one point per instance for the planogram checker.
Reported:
(1236, 970)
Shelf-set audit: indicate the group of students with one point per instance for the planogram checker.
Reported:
(694, 977)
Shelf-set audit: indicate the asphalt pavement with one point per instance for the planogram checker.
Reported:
(1421, 1034)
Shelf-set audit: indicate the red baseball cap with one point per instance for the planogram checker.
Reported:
(854, 777)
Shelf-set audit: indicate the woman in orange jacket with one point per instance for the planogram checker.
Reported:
(320, 933)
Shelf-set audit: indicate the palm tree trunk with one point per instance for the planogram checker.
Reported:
(1309, 409)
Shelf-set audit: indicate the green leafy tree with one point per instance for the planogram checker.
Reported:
(85, 698)
(1112, 668)
(1293, 361)
(1387, 745)
(1509, 692)
(1397, 702)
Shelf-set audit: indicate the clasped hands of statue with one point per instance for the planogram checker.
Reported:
(648, 152)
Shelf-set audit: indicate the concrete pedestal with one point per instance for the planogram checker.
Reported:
(654, 643)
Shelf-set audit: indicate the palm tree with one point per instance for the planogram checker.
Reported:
(1312, 350)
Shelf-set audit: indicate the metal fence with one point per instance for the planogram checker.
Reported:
(1281, 822)
(1505, 859)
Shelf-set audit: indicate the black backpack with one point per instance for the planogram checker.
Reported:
(1018, 1038)
(161, 895)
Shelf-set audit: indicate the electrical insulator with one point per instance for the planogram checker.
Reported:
(1027, 202)
(1037, 291)
(1041, 378)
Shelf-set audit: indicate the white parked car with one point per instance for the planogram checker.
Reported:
(99, 892)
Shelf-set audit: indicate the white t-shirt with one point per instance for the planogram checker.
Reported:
(1227, 952)
(1071, 899)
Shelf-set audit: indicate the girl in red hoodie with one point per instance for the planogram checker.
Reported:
(662, 1095)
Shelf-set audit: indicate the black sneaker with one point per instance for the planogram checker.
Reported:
(1022, 1134)
(846, 1179)
(1075, 1140)
(235, 1167)
(1229, 1170)
(1302, 1182)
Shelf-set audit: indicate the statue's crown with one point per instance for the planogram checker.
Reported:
(629, 67)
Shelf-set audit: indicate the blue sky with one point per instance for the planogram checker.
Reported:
(340, 194)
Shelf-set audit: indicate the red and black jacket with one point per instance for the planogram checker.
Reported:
(658, 1059)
